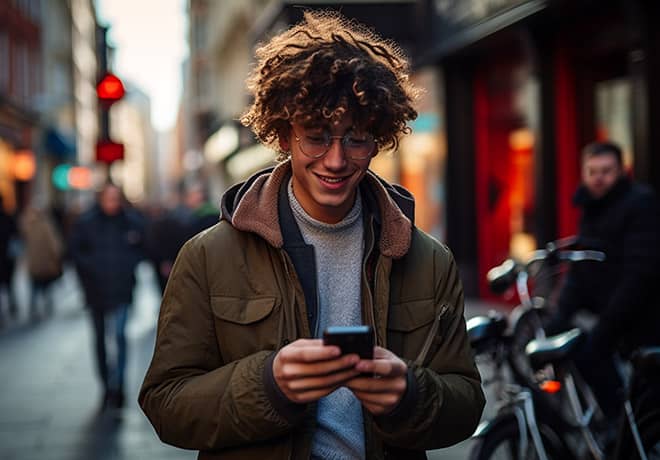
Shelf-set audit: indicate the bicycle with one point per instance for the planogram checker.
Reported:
(520, 431)
(501, 339)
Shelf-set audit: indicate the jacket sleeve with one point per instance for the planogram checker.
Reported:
(449, 399)
(193, 399)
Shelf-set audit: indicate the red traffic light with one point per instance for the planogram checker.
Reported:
(108, 151)
(110, 89)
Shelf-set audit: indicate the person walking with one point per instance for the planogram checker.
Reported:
(239, 367)
(106, 245)
(44, 250)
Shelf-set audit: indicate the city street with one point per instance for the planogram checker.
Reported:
(49, 404)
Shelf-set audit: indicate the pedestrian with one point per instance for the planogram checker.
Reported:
(44, 250)
(8, 239)
(106, 245)
(239, 368)
(203, 214)
(621, 218)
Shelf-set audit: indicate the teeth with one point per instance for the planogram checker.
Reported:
(332, 180)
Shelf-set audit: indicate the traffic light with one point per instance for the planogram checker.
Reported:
(109, 151)
(110, 89)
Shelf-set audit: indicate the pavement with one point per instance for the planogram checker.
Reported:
(49, 398)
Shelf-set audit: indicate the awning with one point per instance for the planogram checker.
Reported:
(249, 160)
(58, 144)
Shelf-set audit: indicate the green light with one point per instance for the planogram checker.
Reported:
(61, 176)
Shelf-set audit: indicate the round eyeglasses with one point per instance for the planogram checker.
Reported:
(317, 143)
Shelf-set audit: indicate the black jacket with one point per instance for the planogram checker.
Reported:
(106, 250)
(625, 224)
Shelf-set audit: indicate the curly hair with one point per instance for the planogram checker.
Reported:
(326, 66)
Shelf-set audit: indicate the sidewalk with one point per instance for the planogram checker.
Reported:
(49, 406)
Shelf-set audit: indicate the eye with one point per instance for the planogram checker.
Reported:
(317, 137)
(357, 139)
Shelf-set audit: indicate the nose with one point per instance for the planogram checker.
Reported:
(336, 157)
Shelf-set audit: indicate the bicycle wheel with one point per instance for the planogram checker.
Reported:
(503, 440)
(528, 324)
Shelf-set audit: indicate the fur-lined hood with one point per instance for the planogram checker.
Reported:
(251, 206)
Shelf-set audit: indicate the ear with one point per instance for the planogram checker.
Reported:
(284, 139)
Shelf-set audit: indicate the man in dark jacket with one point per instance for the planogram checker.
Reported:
(622, 219)
(106, 246)
(240, 369)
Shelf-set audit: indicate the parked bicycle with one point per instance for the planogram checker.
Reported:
(524, 429)
(544, 409)
(500, 340)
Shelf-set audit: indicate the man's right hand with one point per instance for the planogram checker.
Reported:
(306, 370)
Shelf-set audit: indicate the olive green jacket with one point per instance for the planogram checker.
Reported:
(234, 297)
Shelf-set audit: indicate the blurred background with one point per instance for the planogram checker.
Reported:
(148, 93)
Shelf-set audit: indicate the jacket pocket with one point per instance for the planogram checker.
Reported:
(244, 326)
(409, 325)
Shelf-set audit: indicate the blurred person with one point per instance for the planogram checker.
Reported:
(239, 368)
(165, 234)
(106, 245)
(8, 237)
(169, 229)
(622, 219)
(204, 213)
(44, 250)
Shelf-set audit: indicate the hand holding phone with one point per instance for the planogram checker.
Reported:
(351, 339)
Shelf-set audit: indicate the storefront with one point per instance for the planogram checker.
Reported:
(527, 84)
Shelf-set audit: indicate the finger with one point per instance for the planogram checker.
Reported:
(383, 367)
(301, 343)
(378, 385)
(309, 352)
(378, 399)
(313, 383)
(312, 395)
(296, 369)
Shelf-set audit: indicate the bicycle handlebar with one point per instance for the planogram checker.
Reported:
(570, 255)
(501, 277)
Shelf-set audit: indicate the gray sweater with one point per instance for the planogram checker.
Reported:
(338, 252)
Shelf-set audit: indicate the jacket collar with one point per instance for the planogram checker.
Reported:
(584, 199)
(253, 207)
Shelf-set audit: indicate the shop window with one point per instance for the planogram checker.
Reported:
(614, 116)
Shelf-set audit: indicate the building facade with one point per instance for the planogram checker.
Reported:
(528, 83)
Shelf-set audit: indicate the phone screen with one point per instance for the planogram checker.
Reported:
(351, 339)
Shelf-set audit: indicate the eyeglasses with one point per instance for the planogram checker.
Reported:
(317, 143)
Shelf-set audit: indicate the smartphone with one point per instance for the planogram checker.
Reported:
(351, 339)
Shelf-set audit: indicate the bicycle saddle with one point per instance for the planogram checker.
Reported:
(647, 361)
(552, 349)
(482, 329)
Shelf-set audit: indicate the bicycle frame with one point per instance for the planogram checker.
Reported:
(520, 405)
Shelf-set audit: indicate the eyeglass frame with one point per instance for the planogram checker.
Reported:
(329, 146)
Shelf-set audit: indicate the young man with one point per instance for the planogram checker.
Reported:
(239, 368)
(622, 219)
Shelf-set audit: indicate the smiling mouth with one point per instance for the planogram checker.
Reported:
(332, 180)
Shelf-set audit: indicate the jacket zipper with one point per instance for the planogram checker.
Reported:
(369, 310)
(429, 339)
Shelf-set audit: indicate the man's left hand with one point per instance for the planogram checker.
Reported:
(384, 384)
